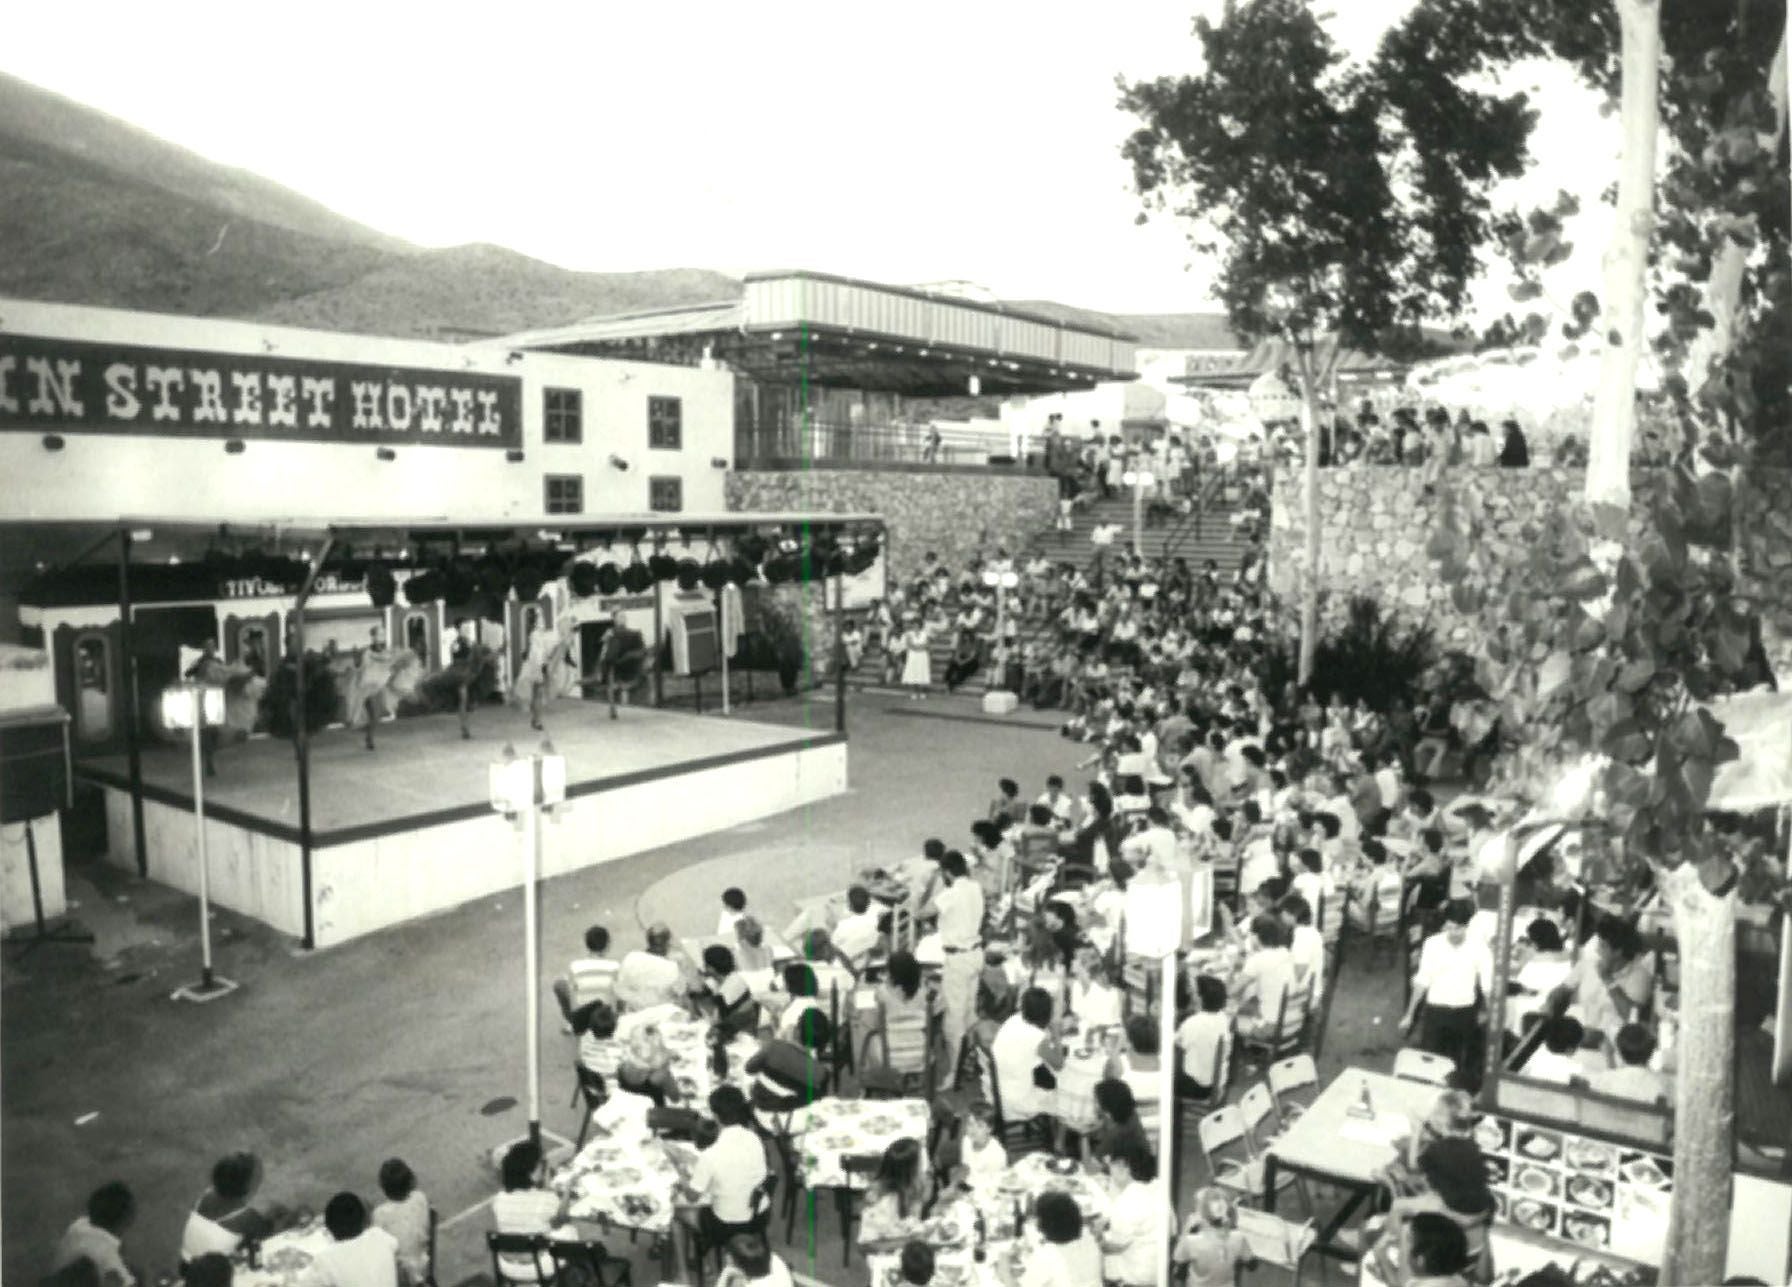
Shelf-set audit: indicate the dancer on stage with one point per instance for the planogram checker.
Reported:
(540, 669)
(620, 660)
(466, 658)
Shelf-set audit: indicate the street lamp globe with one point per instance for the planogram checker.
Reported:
(182, 704)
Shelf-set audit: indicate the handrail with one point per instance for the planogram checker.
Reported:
(1216, 482)
(815, 440)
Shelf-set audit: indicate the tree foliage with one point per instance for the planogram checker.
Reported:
(1331, 193)
(1589, 651)
(1721, 185)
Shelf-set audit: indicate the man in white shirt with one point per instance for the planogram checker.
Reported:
(857, 934)
(1057, 799)
(651, 977)
(1265, 979)
(359, 1255)
(1154, 848)
(959, 903)
(1024, 1044)
(728, 1171)
(1454, 979)
(1632, 1078)
(96, 1236)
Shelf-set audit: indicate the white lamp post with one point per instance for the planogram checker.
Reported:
(522, 788)
(196, 707)
(1139, 481)
(1001, 581)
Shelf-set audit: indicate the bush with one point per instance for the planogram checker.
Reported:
(1370, 658)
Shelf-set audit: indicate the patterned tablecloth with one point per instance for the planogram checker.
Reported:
(830, 1130)
(283, 1258)
(629, 1184)
(688, 1042)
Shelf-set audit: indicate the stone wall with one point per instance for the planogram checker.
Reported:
(949, 511)
(1375, 521)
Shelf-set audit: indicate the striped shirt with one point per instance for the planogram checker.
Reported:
(601, 1055)
(592, 979)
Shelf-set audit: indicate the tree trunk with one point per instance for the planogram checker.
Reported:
(1627, 264)
(1309, 599)
(1704, 1080)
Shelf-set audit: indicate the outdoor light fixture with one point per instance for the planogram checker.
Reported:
(522, 787)
(386, 453)
(514, 455)
(53, 442)
(514, 356)
(196, 707)
(618, 463)
(718, 462)
(235, 447)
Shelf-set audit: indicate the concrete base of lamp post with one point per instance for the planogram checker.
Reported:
(556, 1150)
(205, 990)
(999, 701)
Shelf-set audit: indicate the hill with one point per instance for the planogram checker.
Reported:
(1153, 330)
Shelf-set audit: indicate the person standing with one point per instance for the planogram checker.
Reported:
(917, 661)
(959, 905)
(1454, 978)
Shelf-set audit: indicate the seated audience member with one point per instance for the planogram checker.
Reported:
(736, 1010)
(1132, 1242)
(1027, 1054)
(751, 1263)
(404, 1213)
(1632, 1078)
(734, 906)
(728, 1170)
(1614, 977)
(856, 936)
(1305, 944)
(1061, 803)
(1211, 1250)
(1139, 1064)
(599, 1050)
(1266, 980)
(801, 987)
(1452, 1117)
(908, 1007)
(524, 1207)
(1037, 840)
(358, 1254)
(898, 1195)
(915, 1267)
(96, 1237)
(650, 977)
(222, 1219)
(787, 1075)
(1436, 1252)
(1557, 1059)
(1007, 802)
(1203, 1039)
(751, 952)
(1066, 1255)
(982, 1159)
(646, 1064)
(590, 980)
(1116, 1120)
(1455, 1188)
(1094, 999)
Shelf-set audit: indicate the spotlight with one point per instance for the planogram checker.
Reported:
(514, 356)
(718, 462)
(53, 442)
(514, 455)
(618, 463)
(386, 453)
(235, 447)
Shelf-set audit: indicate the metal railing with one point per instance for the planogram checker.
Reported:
(816, 442)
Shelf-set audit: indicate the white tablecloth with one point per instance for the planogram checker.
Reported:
(830, 1130)
(283, 1257)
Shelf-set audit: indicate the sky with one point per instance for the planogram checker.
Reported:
(974, 140)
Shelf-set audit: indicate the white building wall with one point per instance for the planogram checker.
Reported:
(140, 472)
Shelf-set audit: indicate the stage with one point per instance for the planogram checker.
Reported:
(407, 829)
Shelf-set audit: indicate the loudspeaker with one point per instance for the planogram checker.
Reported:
(33, 768)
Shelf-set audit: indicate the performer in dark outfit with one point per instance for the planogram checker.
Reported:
(619, 660)
(466, 658)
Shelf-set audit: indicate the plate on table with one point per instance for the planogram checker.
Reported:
(1539, 1217)
(1491, 1135)
(882, 1125)
(1591, 1155)
(1588, 1191)
(1539, 1146)
(286, 1260)
(1496, 1168)
(836, 1143)
(1645, 1171)
(1587, 1230)
(1534, 1181)
(1062, 1166)
(621, 1177)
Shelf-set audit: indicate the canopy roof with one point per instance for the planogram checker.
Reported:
(1330, 359)
(816, 327)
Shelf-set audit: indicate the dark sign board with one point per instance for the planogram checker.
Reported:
(80, 387)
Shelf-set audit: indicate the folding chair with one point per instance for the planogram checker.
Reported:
(1257, 1112)
(1295, 1084)
(510, 1250)
(1423, 1066)
(1226, 1148)
(1278, 1242)
(592, 1263)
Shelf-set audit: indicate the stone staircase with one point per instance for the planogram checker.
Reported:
(1206, 534)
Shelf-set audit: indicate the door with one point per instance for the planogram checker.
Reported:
(90, 679)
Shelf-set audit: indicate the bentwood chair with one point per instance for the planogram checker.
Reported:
(590, 1263)
(522, 1258)
(698, 1249)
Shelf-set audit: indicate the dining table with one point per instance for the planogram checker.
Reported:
(1347, 1137)
(831, 1130)
(281, 1259)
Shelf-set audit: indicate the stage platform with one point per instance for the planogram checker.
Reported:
(407, 829)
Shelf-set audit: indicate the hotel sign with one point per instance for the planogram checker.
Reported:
(72, 386)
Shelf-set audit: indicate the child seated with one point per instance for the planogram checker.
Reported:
(599, 1051)
(1094, 1000)
(1211, 1248)
(981, 1157)
(405, 1215)
(734, 906)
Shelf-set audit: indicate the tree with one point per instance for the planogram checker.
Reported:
(1333, 208)
(1610, 668)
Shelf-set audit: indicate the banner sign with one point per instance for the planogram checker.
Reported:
(76, 386)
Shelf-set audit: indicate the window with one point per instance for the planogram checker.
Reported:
(564, 493)
(416, 635)
(93, 688)
(665, 495)
(665, 423)
(562, 416)
(252, 648)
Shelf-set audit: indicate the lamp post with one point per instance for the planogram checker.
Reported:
(1138, 480)
(522, 788)
(195, 707)
(1001, 581)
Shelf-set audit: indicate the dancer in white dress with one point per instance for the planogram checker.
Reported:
(917, 662)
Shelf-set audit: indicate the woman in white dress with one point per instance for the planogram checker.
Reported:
(917, 661)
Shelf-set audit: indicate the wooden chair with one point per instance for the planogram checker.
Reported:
(698, 1248)
(1294, 1082)
(1423, 1066)
(591, 1263)
(911, 1059)
(1288, 1034)
(1022, 1136)
(509, 1248)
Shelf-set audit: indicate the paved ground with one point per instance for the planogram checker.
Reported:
(410, 1043)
